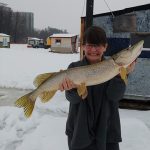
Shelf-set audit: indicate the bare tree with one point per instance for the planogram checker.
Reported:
(1, 18)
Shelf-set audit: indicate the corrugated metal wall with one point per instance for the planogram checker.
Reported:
(120, 40)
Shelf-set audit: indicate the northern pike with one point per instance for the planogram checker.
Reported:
(48, 83)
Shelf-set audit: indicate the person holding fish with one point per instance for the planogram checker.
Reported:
(93, 121)
(93, 87)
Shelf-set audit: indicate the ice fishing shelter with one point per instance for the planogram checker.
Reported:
(64, 43)
(123, 26)
(4, 40)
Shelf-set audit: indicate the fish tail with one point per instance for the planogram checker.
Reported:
(27, 103)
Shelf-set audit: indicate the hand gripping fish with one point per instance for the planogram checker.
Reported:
(47, 84)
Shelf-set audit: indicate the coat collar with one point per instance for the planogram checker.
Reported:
(86, 62)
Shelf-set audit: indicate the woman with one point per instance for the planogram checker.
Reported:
(93, 121)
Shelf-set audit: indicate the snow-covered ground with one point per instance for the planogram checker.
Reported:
(46, 128)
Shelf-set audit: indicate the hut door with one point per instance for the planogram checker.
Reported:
(5, 42)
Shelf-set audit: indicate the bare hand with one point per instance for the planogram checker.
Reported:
(67, 84)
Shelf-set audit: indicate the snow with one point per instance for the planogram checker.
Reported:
(20, 65)
(63, 35)
(46, 127)
(135, 131)
(3, 34)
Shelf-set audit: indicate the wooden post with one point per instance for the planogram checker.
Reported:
(81, 36)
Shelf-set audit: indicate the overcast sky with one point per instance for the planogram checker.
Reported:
(65, 14)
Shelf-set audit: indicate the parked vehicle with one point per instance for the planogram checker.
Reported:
(35, 42)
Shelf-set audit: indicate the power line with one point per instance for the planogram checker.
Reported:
(109, 9)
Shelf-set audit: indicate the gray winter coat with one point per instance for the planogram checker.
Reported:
(97, 117)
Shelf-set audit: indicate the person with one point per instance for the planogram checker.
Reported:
(93, 121)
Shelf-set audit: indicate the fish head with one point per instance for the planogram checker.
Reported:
(128, 55)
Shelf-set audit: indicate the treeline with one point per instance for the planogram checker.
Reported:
(15, 24)
(44, 33)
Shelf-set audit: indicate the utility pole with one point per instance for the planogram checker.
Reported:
(89, 13)
(86, 23)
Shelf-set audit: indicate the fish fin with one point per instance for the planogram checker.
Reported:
(123, 74)
(47, 95)
(82, 90)
(41, 78)
(27, 103)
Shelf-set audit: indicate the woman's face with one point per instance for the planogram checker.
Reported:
(94, 52)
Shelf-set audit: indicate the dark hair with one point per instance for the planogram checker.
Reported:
(95, 35)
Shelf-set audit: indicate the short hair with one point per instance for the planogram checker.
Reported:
(95, 35)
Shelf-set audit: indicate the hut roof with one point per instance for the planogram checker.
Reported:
(63, 35)
(124, 11)
(3, 34)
